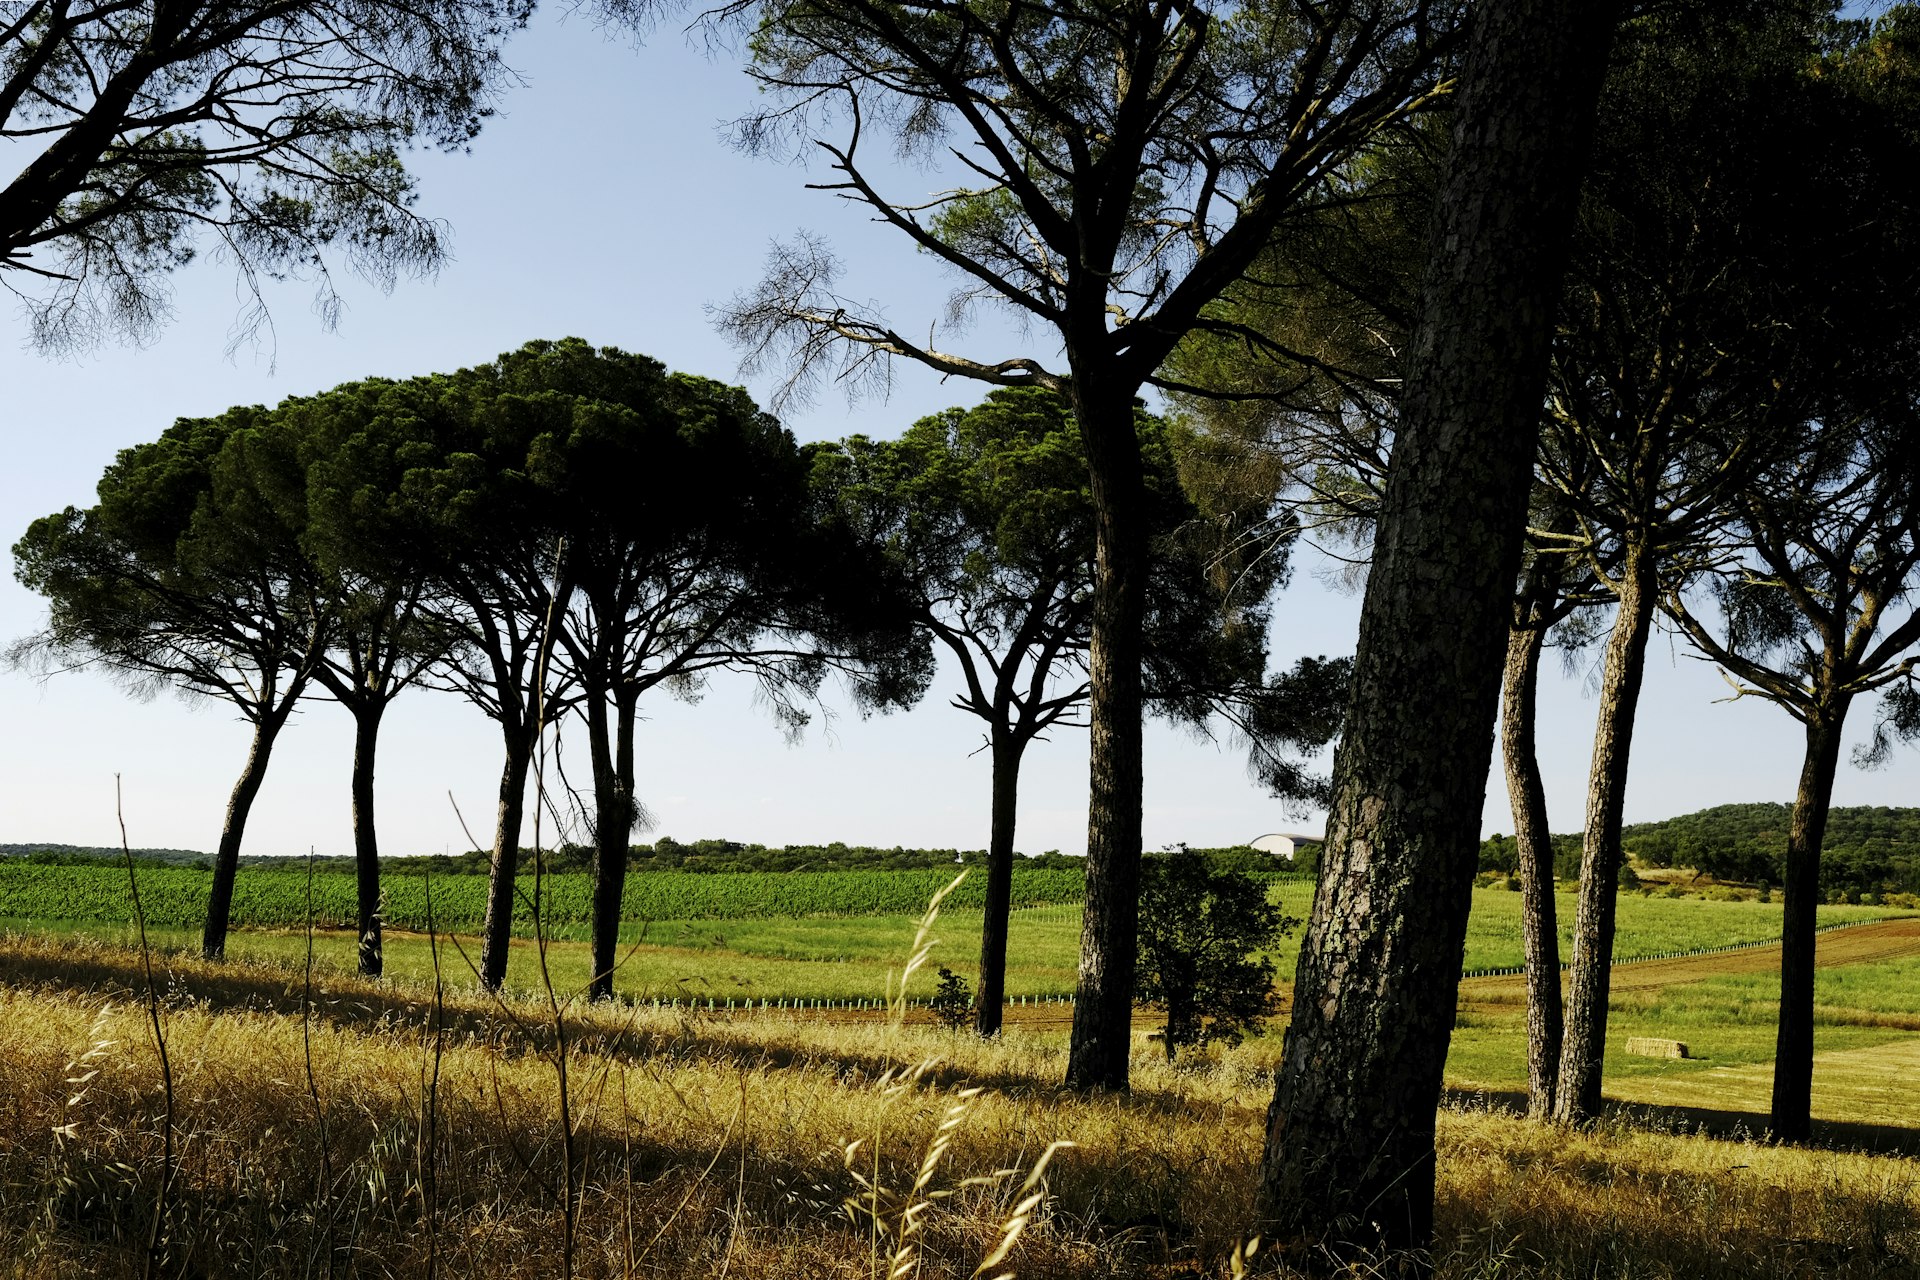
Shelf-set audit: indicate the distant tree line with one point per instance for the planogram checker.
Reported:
(63, 854)
(664, 854)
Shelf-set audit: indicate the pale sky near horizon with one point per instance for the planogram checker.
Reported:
(604, 202)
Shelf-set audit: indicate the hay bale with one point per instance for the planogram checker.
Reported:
(1649, 1047)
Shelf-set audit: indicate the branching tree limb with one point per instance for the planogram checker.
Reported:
(273, 128)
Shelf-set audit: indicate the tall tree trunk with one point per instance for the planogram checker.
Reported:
(1109, 931)
(366, 845)
(1539, 927)
(1792, 1118)
(498, 931)
(226, 858)
(1577, 1098)
(1349, 1154)
(614, 815)
(991, 994)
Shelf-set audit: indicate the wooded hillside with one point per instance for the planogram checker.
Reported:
(1867, 849)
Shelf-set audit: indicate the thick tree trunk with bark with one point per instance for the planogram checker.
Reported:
(1792, 1117)
(226, 858)
(366, 844)
(614, 816)
(991, 994)
(1577, 1098)
(1350, 1159)
(1539, 926)
(1109, 932)
(497, 933)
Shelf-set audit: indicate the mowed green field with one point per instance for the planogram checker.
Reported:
(1725, 1009)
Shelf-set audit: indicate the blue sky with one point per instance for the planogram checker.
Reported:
(604, 202)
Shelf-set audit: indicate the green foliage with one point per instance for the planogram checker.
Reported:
(1499, 853)
(988, 514)
(1502, 853)
(186, 573)
(952, 1001)
(1248, 861)
(1866, 850)
(1199, 925)
(1306, 860)
(728, 562)
(274, 127)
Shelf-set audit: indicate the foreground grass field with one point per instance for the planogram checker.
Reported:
(370, 1131)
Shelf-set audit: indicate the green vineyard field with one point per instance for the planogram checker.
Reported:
(177, 896)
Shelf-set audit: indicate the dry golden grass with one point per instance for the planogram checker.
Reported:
(358, 1142)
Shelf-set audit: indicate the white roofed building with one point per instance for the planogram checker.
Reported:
(1281, 844)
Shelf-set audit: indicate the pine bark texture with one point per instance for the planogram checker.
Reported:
(1792, 1118)
(497, 933)
(1577, 1099)
(226, 858)
(366, 843)
(1539, 923)
(1349, 1157)
(990, 996)
(1109, 933)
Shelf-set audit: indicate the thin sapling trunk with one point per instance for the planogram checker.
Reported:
(498, 930)
(226, 858)
(1577, 1098)
(990, 996)
(1540, 929)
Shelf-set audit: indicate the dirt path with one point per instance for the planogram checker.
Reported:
(1859, 944)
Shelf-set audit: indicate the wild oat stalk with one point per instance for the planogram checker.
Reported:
(84, 1069)
(324, 1194)
(572, 1190)
(923, 944)
(900, 1218)
(1242, 1257)
(426, 1149)
(893, 1083)
(159, 1045)
(572, 1187)
(1032, 1195)
(80, 1073)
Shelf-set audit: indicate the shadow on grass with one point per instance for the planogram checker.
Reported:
(1828, 1135)
(514, 1025)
